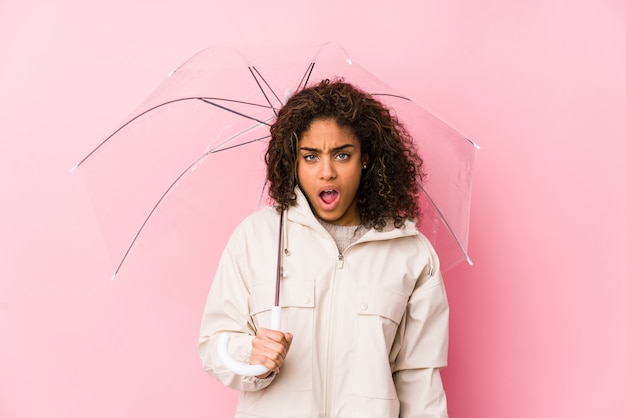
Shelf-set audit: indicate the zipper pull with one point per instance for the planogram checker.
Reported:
(340, 261)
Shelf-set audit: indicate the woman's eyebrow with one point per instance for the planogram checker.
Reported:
(339, 148)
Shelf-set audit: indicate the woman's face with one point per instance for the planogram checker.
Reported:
(329, 171)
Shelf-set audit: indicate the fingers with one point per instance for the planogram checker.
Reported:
(289, 338)
(270, 348)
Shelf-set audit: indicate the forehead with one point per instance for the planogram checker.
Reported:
(327, 133)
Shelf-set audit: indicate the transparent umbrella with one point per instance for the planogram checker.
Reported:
(208, 124)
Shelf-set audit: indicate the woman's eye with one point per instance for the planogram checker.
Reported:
(309, 157)
(343, 156)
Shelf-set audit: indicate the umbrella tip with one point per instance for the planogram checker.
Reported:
(74, 168)
(349, 60)
(171, 73)
(469, 261)
(113, 277)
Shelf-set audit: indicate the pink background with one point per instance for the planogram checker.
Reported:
(537, 327)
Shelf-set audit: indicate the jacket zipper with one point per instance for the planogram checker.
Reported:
(340, 261)
(330, 349)
(330, 353)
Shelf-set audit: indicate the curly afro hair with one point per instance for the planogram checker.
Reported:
(389, 185)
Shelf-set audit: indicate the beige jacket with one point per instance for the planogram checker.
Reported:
(370, 327)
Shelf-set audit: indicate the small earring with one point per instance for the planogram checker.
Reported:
(364, 166)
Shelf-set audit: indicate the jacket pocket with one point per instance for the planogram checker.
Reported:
(379, 312)
(297, 301)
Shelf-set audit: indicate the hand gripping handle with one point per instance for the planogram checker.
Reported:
(239, 367)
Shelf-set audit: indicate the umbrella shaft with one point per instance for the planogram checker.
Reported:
(279, 259)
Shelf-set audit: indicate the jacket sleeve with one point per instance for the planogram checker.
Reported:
(421, 348)
(227, 311)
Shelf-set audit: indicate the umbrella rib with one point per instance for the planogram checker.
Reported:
(392, 95)
(134, 118)
(303, 81)
(215, 151)
(253, 70)
(445, 221)
(208, 101)
(306, 76)
(217, 148)
(169, 188)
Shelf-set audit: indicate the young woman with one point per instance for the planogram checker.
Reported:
(364, 329)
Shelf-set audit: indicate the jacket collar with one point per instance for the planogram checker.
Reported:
(302, 213)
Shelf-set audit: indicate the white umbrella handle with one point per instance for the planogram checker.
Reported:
(239, 367)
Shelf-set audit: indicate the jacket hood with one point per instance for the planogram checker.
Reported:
(302, 213)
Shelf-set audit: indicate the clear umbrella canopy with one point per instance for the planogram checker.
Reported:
(208, 124)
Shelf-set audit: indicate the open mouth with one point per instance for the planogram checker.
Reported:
(329, 196)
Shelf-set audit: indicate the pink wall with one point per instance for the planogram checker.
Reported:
(537, 324)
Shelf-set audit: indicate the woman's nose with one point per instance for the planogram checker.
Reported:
(327, 169)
